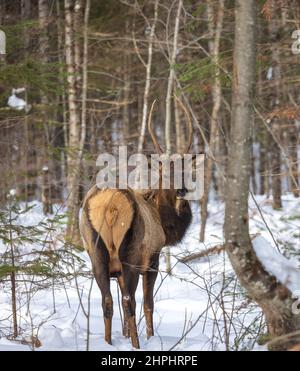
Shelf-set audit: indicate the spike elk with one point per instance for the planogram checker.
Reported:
(124, 232)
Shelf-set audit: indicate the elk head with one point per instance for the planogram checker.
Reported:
(174, 209)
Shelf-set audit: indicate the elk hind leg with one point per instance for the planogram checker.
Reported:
(103, 281)
(131, 279)
(149, 279)
(107, 305)
(126, 331)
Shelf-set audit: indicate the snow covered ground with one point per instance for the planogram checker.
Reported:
(200, 307)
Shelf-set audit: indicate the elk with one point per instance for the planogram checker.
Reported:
(123, 232)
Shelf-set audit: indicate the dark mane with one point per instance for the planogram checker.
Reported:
(174, 222)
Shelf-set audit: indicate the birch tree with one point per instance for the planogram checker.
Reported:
(2, 46)
(72, 180)
(44, 48)
(172, 61)
(148, 67)
(275, 102)
(77, 72)
(170, 88)
(2, 34)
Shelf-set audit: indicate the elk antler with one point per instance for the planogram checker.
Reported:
(156, 145)
(190, 125)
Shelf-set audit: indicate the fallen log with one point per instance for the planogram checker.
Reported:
(216, 250)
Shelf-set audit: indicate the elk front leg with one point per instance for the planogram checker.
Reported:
(149, 279)
(131, 279)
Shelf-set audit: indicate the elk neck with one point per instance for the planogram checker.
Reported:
(175, 215)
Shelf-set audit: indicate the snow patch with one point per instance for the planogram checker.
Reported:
(285, 270)
(16, 103)
(187, 312)
(51, 337)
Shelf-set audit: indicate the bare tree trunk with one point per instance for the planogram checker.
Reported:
(25, 14)
(222, 158)
(253, 173)
(168, 127)
(293, 144)
(78, 22)
(44, 47)
(46, 192)
(126, 118)
(263, 167)
(25, 10)
(263, 160)
(180, 135)
(148, 80)
(14, 303)
(217, 99)
(77, 133)
(276, 165)
(275, 103)
(172, 61)
(60, 46)
(84, 81)
(2, 34)
(60, 173)
(273, 297)
(43, 37)
(293, 132)
(2, 11)
(73, 187)
(13, 280)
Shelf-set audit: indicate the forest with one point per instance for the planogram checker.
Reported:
(85, 267)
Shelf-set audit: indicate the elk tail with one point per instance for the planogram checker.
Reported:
(111, 213)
